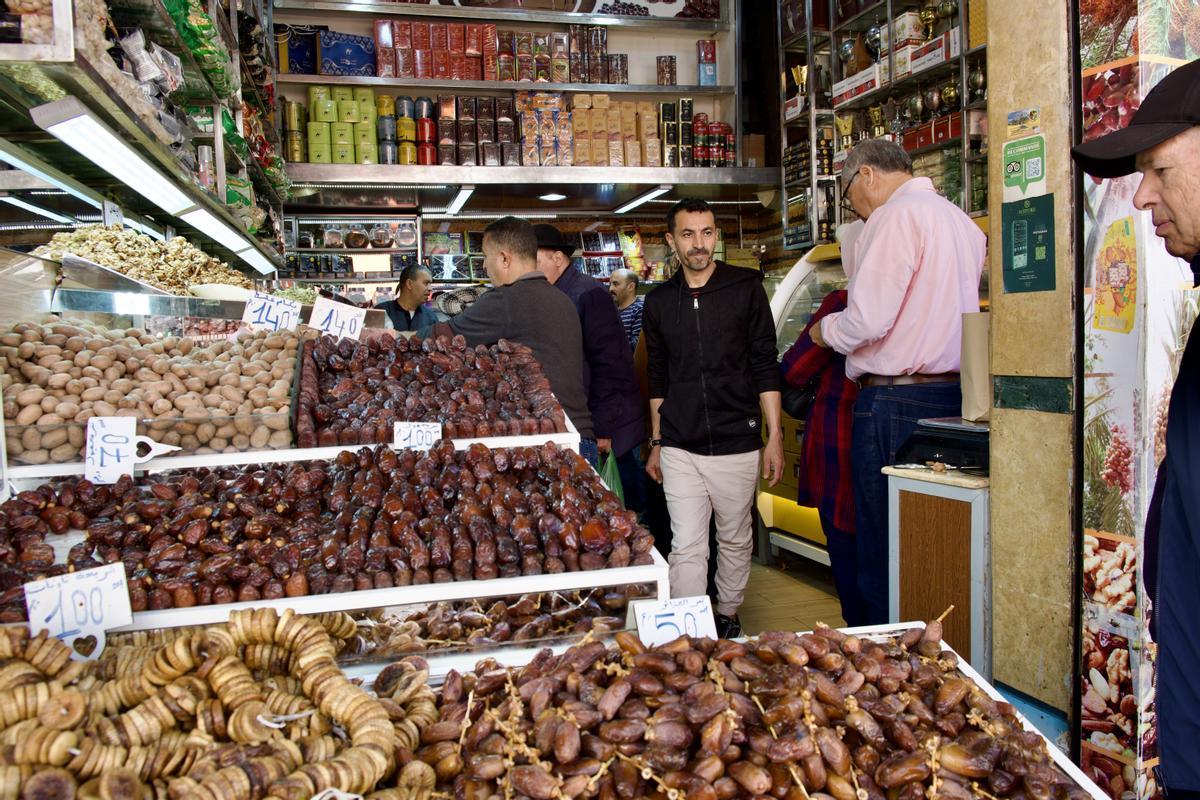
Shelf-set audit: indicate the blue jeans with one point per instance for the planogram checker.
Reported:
(590, 452)
(884, 417)
(843, 563)
(632, 480)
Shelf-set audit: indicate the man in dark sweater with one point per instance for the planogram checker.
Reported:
(612, 388)
(525, 308)
(408, 311)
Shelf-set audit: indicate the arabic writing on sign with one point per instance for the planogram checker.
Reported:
(266, 312)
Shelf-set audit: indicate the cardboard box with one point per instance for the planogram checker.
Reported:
(581, 122)
(651, 153)
(633, 153)
(599, 121)
(600, 149)
(581, 100)
(439, 35)
(629, 128)
(601, 101)
(857, 84)
(616, 154)
(473, 42)
(420, 36)
(456, 37)
(706, 75)
(612, 121)
(936, 51)
(441, 64)
(647, 125)
(754, 150)
(791, 108)
(406, 66)
(583, 151)
(906, 28)
(903, 61)
(345, 54)
(402, 35)
(422, 63)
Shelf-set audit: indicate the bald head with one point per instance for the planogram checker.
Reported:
(623, 286)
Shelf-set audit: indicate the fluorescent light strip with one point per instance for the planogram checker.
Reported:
(36, 226)
(149, 230)
(517, 214)
(553, 197)
(332, 185)
(643, 198)
(460, 200)
(17, 157)
(258, 261)
(41, 212)
(208, 224)
(715, 202)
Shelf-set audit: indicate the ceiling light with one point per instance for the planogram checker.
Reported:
(257, 260)
(460, 200)
(71, 122)
(23, 160)
(553, 197)
(208, 224)
(149, 230)
(643, 198)
(42, 212)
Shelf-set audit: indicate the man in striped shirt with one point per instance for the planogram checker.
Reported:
(623, 286)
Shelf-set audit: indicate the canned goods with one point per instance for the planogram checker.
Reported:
(407, 153)
(324, 111)
(316, 94)
(700, 132)
(348, 111)
(293, 149)
(427, 153)
(406, 108)
(387, 152)
(293, 116)
(423, 107)
(426, 130)
(700, 156)
(385, 105)
(406, 129)
(385, 128)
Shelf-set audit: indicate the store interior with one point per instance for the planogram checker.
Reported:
(202, 202)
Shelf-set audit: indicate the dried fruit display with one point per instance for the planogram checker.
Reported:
(210, 397)
(822, 714)
(250, 709)
(369, 519)
(352, 392)
(172, 266)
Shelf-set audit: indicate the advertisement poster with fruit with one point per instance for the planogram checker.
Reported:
(1115, 279)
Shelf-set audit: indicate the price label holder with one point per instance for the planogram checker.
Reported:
(662, 621)
(112, 449)
(416, 435)
(266, 312)
(337, 319)
(78, 607)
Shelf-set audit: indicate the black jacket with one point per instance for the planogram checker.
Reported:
(401, 320)
(710, 353)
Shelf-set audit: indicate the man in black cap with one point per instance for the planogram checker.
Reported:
(608, 375)
(1162, 142)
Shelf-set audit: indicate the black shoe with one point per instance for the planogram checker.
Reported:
(728, 627)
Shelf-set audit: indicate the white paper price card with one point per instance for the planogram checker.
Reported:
(78, 607)
(662, 621)
(112, 449)
(266, 312)
(337, 319)
(416, 435)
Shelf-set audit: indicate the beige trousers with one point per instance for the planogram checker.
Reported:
(697, 487)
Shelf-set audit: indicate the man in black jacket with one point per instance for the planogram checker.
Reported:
(710, 342)
(1162, 142)
(408, 311)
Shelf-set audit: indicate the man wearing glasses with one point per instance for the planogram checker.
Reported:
(919, 260)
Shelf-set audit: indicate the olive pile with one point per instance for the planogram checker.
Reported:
(352, 392)
(821, 715)
(370, 519)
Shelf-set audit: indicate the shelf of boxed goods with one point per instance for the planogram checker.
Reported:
(152, 17)
(916, 80)
(767, 177)
(498, 15)
(502, 87)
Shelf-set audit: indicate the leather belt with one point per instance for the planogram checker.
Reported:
(867, 381)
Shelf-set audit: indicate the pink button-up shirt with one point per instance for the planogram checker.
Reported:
(918, 260)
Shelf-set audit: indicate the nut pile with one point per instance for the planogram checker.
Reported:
(822, 715)
(370, 519)
(172, 266)
(352, 392)
(250, 709)
(57, 375)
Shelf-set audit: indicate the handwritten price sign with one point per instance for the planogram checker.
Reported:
(266, 312)
(111, 450)
(80, 605)
(662, 621)
(416, 435)
(337, 319)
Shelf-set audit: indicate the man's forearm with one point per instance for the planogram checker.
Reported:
(772, 406)
(655, 418)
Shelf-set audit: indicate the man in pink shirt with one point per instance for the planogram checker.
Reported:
(919, 261)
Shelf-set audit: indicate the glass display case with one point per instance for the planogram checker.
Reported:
(797, 293)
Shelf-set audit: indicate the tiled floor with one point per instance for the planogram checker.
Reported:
(793, 599)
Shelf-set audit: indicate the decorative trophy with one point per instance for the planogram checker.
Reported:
(877, 126)
(946, 9)
(950, 95)
(845, 127)
(933, 100)
(977, 83)
(800, 76)
(929, 17)
(915, 108)
(873, 39)
(846, 53)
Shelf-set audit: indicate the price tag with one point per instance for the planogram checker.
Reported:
(78, 607)
(337, 319)
(416, 435)
(266, 312)
(662, 621)
(111, 451)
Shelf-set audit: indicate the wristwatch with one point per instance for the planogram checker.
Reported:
(655, 442)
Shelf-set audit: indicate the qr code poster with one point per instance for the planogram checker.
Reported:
(1025, 168)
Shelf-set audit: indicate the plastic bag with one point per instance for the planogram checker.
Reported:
(611, 475)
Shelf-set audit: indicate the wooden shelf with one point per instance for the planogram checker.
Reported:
(437, 84)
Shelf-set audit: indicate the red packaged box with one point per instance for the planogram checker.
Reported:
(491, 68)
(447, 106)
(507, 66)
(441, 63)
(385, 62)
(422, 63)
(541, 68)
(402, 35)
(420, 36)
(475, 68)
(489, 39)
(405, 63)
(597, 70)
(525, 68)
(459, 69)
(473, 44)
(439, 36)
(456, 37)
(506, 43)
(447, 131)
(578, 68)
(524, 46)
(383, 34)
(706, 51)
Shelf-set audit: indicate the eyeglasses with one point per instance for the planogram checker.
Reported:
(846, 206)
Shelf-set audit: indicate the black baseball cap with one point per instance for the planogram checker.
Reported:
(548, 238)
(1172, 107)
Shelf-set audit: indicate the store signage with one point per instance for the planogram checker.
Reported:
(266, 312)
(78, 607)
(112, 449)
(337, 319)
(416, 435)
(1028, 247)
(662, 621)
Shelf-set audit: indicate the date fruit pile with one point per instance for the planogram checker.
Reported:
(369, 519)
(352, 392)
(251, 709)
(820, 715)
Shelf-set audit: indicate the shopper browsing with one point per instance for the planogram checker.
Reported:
(408, 311)
(919, 260)
(525, 308)
(1162, 142)
(612, 389)
(711, 364)
(623, 286)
